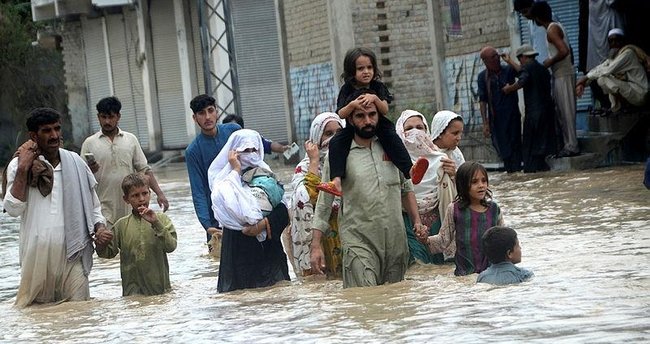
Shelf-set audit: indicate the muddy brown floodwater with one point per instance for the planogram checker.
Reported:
(585, 234)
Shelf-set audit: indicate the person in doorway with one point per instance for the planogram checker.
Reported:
(53, 191)
(502, 249)
(437, 188)
(143, 240)
(564, 78)
(112, 154)
(269, 146)
(373, 240)
(623, 76)
(539, 122)
(305, 194)
(200, 154)
(468, 217)
(537, 33)
(500, 111)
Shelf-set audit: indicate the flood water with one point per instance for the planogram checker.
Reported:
(585, 234)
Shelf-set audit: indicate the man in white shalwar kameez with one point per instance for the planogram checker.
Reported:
(53, 191)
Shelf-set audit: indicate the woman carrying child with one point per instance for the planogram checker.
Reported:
(471, 214)
(247, 202)
(437, 189)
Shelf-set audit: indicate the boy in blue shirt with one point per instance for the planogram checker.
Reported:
(501, 246)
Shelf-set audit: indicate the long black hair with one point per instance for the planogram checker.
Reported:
(464, 176)
(350, 63)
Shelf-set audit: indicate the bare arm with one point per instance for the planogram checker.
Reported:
(26, 158)
(556, 37)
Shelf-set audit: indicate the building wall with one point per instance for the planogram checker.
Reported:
(313, 82)
(74, 65)
(482, 23)
(399, 34)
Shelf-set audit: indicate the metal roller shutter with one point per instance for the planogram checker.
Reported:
(262, 83)
(96, 68)
(567, 12)
(127, 77)
(168, 75)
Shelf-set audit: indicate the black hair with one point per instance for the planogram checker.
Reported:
(350, 63)
(42, 116)
(200, 102)
(464, 176)
(497, 242)
(234, 118)
(109, 105)
(541, 10)
(520, 5)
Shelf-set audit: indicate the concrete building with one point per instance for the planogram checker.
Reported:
(281, 59)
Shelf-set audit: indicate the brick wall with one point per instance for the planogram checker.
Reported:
(398, 33)
(307, 29)
(482, 22)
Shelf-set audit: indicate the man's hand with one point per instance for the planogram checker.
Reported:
(103, 236)
(509, 88)
(317, 258)
(26, 154)
(486, 130)
(162, 201)
(580, 89)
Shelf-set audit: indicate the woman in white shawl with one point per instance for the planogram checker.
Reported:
(437, 188)
(247, 202)
(303, 199)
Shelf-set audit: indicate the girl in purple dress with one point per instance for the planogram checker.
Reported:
(471, 214)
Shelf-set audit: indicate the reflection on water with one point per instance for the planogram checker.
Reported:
(585, 234)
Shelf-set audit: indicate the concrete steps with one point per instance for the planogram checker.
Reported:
(601, 144)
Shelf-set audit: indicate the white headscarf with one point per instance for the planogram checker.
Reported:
(302, 210)
(233, 204)
(439, 123)
(315, 135)
(419, 144)
(318, 126)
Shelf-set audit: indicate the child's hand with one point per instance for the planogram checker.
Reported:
(148, 214)
(367, 98)
(233, 159)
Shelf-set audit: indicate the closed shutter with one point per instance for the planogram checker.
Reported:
(262, 84)
(194, 36)
(127, 77)
(171, 104)
(566, 12)
(96, 68)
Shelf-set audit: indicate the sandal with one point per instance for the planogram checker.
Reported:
(418, 170)
(329, 188)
